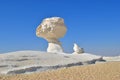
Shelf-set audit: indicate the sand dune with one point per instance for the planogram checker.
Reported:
(101, 71)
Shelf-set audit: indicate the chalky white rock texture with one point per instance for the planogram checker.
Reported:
(53, 47)
(77, 49)
(51, 29)
(36, 61)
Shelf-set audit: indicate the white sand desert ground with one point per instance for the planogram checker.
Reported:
(36, 63)
(32, 61)
(102, 71)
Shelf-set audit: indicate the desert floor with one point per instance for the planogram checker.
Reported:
(100, 71)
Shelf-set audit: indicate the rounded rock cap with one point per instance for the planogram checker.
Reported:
(51, 28)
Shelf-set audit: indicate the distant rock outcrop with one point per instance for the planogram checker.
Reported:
(77, 49)
(51, 29)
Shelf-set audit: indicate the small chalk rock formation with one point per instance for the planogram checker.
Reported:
(77, 49)
(51, 29)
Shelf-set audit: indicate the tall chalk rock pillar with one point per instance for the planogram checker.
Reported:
(51, 29)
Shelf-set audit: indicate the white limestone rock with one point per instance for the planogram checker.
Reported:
(51, 29)
(53, 47)
(77, 49)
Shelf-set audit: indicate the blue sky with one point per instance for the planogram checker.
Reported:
(92, 24)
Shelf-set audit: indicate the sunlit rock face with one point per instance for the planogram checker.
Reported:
(51, 29)
(77, 49)
(53, 47)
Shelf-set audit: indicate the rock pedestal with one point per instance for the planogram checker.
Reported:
(51, 29)
(54, 47)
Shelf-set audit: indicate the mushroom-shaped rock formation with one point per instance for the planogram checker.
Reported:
(77, 49)
(52, 29)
